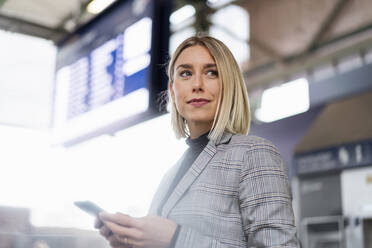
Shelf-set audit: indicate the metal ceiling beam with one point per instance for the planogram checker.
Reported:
(264, 75)
(75, 17)
(253, 42)
(266, 49)
(202, 23)
(14, 24)
(324, 27)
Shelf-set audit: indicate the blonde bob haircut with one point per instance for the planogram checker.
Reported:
(232, 113)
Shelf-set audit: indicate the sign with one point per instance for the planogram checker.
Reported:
(335, 158)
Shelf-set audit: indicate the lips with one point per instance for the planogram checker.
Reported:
(197, 102)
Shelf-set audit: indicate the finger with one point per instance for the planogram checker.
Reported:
(124, 218)
(128, 242)
(113, 241)
(98, 223)
(104, 216)
(105, 231)
(120, 219)
(123, 231)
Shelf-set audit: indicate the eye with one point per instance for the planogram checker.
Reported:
(185, 73)
(212, 73)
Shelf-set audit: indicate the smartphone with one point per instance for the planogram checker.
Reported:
(89, 207)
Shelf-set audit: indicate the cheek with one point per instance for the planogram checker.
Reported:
(178, 93)
(218, 90)
(215, 90)
(177, 98)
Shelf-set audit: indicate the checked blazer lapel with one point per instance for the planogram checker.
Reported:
(192, 174)
(196, 168)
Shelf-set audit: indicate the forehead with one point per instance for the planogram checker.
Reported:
(195, 55)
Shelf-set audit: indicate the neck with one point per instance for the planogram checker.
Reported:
(196, 130)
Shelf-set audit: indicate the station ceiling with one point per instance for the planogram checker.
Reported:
(43, 18)
(286, 36)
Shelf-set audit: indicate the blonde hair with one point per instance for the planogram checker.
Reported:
(233, 112)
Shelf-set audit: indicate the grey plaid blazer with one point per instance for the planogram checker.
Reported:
(236, 194)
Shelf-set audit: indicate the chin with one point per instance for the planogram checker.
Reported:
(200, 119)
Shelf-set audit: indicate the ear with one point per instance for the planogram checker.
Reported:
(170, 86)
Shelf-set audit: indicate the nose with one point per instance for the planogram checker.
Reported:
(198, 84)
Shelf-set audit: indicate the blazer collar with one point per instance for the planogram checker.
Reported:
(192, 174)
(223, 139)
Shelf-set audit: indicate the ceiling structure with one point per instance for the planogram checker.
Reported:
(287, 37)
(43, 18)
(332, 127)
(293, 37)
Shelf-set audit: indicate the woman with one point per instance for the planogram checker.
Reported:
(229, 189)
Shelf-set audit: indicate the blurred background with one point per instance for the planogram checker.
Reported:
(80, 83)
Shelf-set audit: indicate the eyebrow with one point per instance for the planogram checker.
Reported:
(209, 66)
(188, 66)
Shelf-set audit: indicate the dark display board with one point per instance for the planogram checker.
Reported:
(107, 73)
(320, 196)
(338, 158)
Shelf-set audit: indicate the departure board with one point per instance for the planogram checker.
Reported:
(104, 70)
(116, 68)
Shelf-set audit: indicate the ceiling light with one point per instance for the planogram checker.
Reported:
(182, 14)
(97, 6)
(218, 3)
(283, 101)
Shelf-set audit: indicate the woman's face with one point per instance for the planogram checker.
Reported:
(196, 87)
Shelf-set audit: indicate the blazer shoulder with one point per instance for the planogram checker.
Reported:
(250, 141)
(241, 144)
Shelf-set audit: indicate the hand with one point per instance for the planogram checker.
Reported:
(148, 231)
(108, 235)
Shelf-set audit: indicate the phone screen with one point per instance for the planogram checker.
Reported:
(89, 207)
